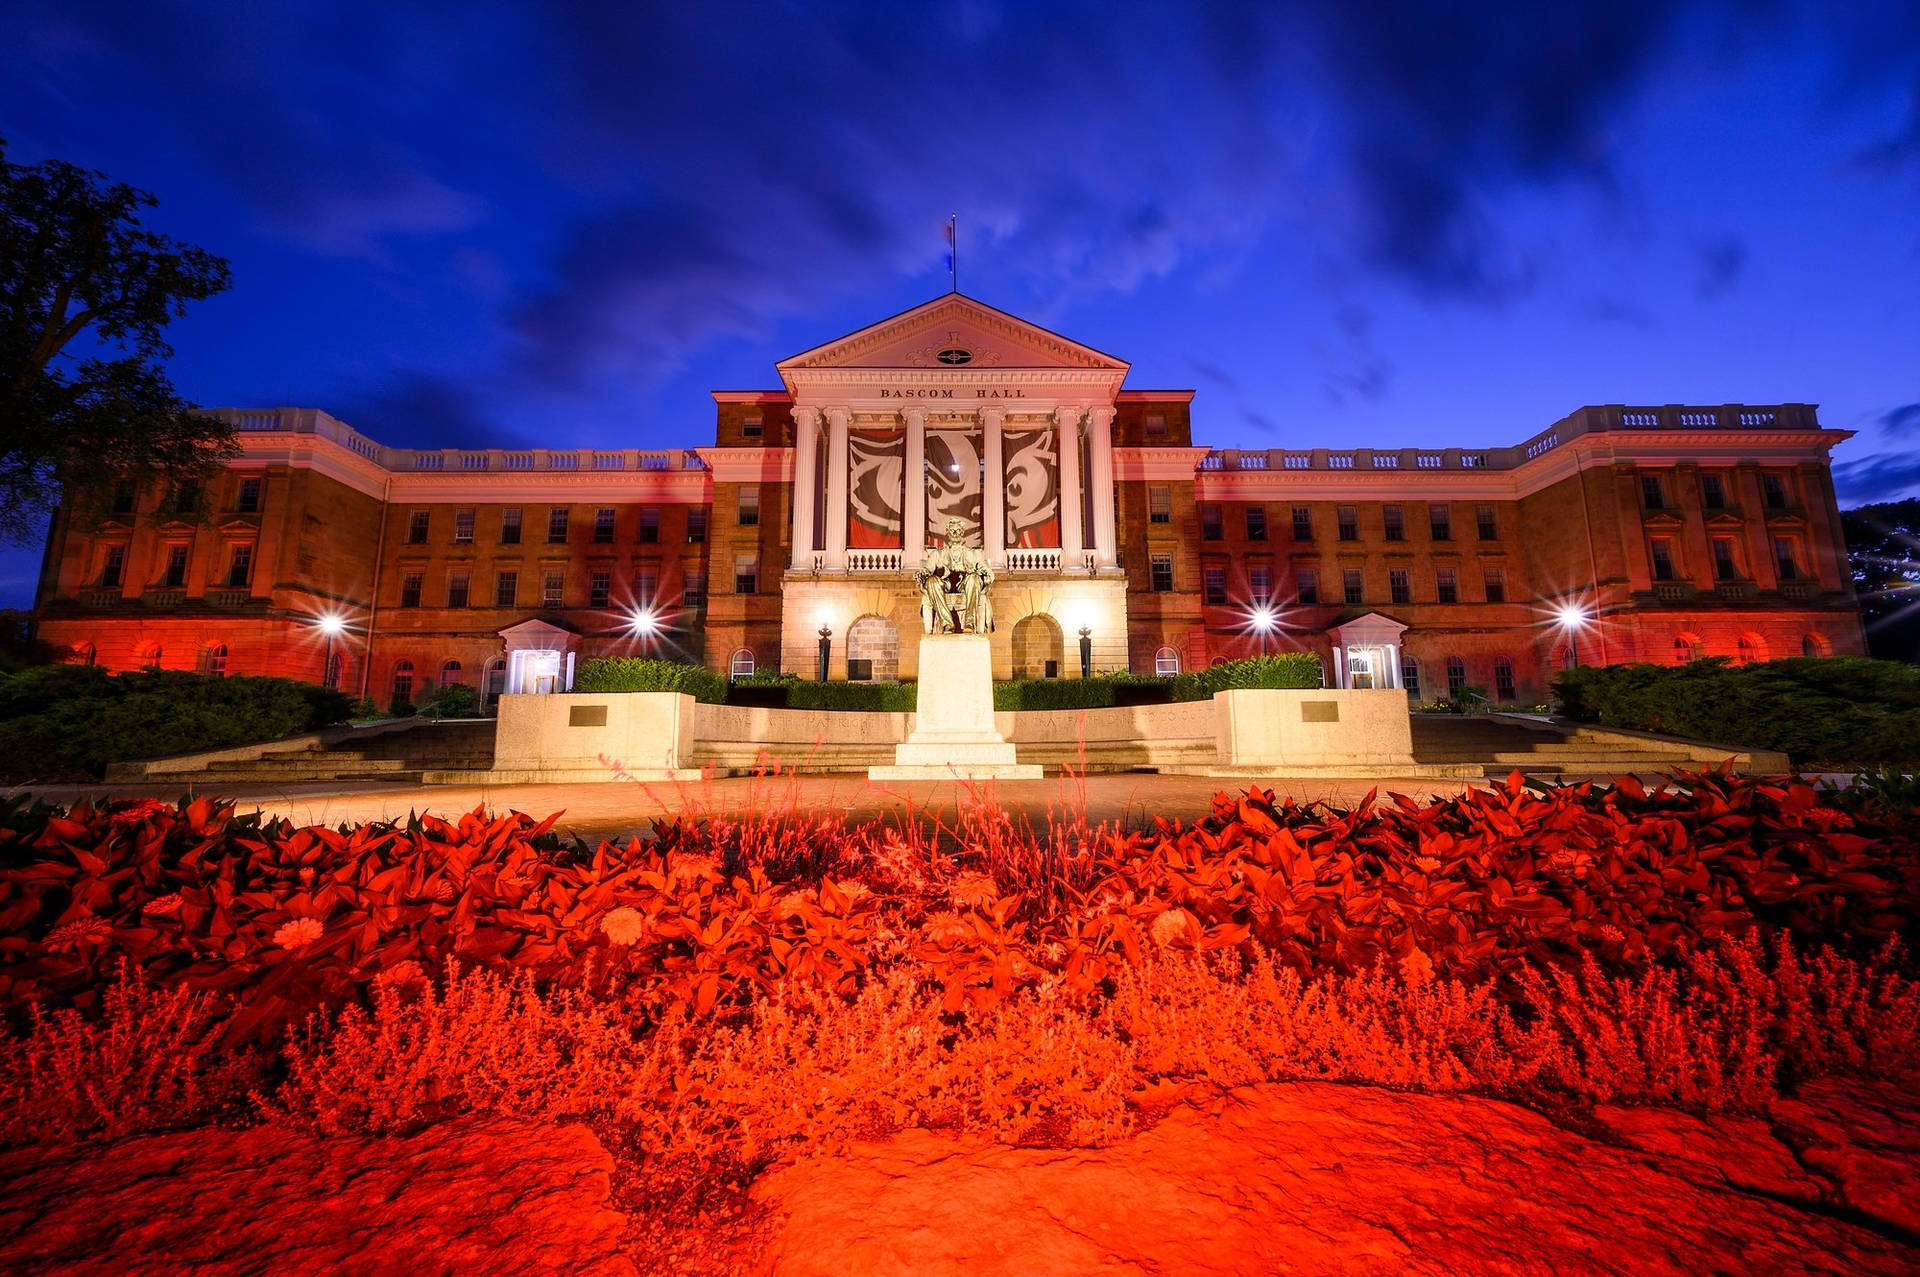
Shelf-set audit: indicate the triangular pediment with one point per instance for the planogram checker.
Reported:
(952, 332)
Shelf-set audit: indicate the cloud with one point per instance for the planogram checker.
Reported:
(1721, 265)
(427, 411)
(1903, 420)
(1611, 310)
(1880, 477)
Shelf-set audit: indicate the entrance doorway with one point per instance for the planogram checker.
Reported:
(1038, 647)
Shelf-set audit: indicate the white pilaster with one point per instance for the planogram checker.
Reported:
(993, 489)
(806, 480)
(838, 418)
(913, 477)
(1072, 528)
(1100, 446)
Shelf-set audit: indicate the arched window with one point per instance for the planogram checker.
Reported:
(1815, 645)
(741, 666)
(336, 664)
(449, 673)
(1503, 678)
(403, 682)
(1410, 675)
(1686, 647)
(1456, 675)
(493, 683)
(213, 660)
(83, 654)
(150, 657)
(1166, 663)
(1752, 649)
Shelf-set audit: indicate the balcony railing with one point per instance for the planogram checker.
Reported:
(873, 560)
(1674, 591)
(1033, 560)
(102, 598)
(1735, 591)
(1799, 591)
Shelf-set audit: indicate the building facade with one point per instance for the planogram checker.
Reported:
(1617, 534)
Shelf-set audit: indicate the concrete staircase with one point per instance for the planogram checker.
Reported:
(401, 752)
(1499, 743)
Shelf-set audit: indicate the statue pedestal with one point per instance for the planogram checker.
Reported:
(953, 735)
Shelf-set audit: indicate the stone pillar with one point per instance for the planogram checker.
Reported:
(806, 483)
(1072, 529)
(1100, 446)
(837, 469)
(913, 496)
(993, 489)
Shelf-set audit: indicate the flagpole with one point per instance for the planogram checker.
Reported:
(953, 257)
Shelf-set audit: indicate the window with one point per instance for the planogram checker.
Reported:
(1496, 583)
(1396, 522)
(1810, 645)
(1156, 425)
(1349, 517)
(1773, 487)
(646, 584)
(1662, 550)
(1440, 522)
(410, 589)
(1306, 584)
(457, 589)
(553, 589)
(1410, 675)
(330, 676)
(1725, 568)
(175, 574)
(1162, 572)
(1488, 520)
(1159, 505)
(557, 525)
(1456, 676)
(599, 589)
(1353, 586)
(753, 428)
(1256, 523)
(1166, 663)
(650, 525)
(213, 661)
(240, 566)
(463, 527)
(114, 565)
(1652, 495)
(741, 664)
(603, 526)
(124, 495)
(746, 574)
(1446, 582)
(1303, 523)
(749, 508)
(419, 522)
(510, 526)
(1400, 585)
(1213, 585)
(1786, 564)
(403, 682)
(694, 592)
(1503, 678)
(248, 501)
(1210, 523)
(150, 657)
(506, 589)
(186, 498)
(1750, 649)
(1713, 493)
(450, 673)
(696, 524)
(1259, 583)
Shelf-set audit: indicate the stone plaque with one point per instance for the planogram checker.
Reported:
(1319, 711)
(586, 716)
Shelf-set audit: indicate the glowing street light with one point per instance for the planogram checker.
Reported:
(1264, 623)
(643, 622)
(333, 625)
(1573, 618)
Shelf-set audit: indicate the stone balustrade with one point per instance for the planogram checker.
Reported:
(1033, 560)
(311, 421)
(874, 560)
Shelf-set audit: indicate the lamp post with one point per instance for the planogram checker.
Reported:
(1573, 618)
(331, 626)
(1263, 621)
(1086, 651)
(644, 625)
(826, 650)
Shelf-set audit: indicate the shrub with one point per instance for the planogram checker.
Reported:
(1287, 670)
(455, 700)
(640, 674)
(1098, 692)
(1835, 711)
(895, 698)
(70, 721)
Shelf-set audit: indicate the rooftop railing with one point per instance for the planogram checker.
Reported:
(311, 421)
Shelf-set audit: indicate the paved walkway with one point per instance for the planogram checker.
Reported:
(600, 810)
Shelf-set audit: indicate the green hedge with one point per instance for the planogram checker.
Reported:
(1098, 692)
(638, 674)
(1840, 711)
(67, 722)
(1287, 670)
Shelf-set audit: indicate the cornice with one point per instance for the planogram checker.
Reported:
(495, 487)
(749, 465)
(1172, 463)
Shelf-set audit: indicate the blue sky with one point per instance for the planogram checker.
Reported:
(1342, 220)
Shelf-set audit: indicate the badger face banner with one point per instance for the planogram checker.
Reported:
(953, 483)
(875, 459)
(1033, 492)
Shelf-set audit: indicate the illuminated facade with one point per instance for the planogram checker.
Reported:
(1655, 533)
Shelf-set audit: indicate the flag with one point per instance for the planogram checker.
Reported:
(947, 230)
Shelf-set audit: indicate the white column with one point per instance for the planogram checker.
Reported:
(1100, 446)
(837, 466)
(806, 480)
(913, 496)
(1072, 532)
(993, 489)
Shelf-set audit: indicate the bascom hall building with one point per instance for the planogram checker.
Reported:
(1653, 533)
